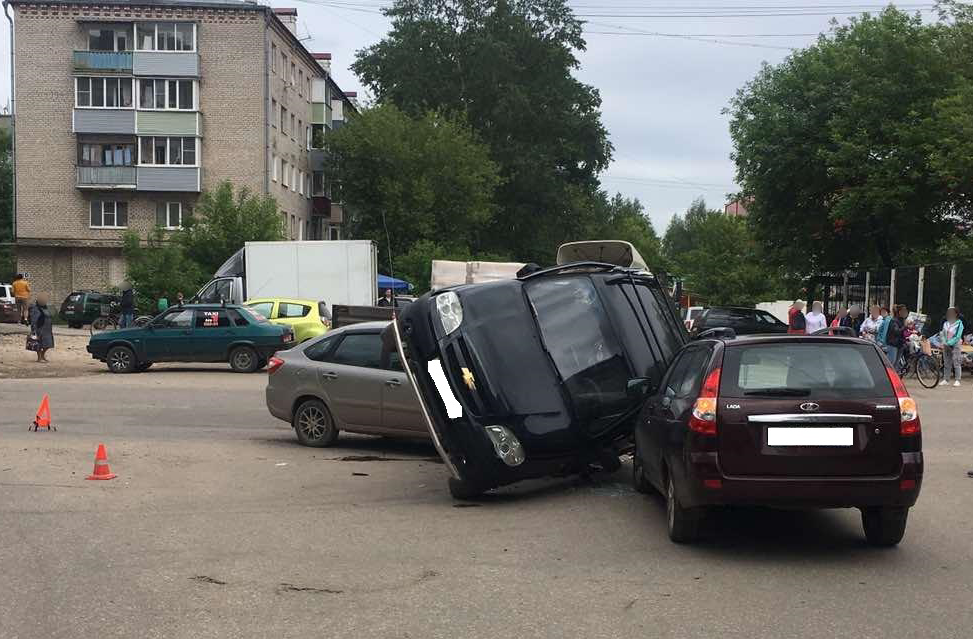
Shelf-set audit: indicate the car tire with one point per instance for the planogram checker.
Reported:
(639, 480)
(682, 523)
(75, 324)
(243, 359)
(314, 425)
(884, 525)
(144, 366)
(465, 490)
(121, 359)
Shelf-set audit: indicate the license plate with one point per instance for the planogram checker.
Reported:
(798, 436)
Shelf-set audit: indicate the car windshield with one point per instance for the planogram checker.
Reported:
(578, 334)
(831, 370)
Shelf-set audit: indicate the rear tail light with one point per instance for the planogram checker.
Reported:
(908, 410)
(703, 419)
(287, 336)
(274, 364)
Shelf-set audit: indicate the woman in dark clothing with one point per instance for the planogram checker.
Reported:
(894, 341)
(41, 326)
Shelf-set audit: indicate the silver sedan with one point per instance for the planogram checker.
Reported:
(341, 381)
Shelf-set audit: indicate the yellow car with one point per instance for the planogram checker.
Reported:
(305, 317)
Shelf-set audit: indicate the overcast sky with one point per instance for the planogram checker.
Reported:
(662, 94)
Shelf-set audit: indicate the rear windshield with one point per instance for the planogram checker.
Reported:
(252, 314)
(801, 369)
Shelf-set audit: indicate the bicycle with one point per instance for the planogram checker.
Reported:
(111, 317)
(925, 368)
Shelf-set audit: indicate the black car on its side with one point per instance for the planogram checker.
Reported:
(786, 421)
(743, 321)
(539, 375)
(193, 333)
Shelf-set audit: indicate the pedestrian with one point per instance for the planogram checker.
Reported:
(387, 299)
(854, 319)
(951, 337)
(179, 298)
(872, 324)
(895, 334)
(796, 322)
(162, 304)
(41, 327)
(816, 320)
(21, 296)
(127, 306)
(839, 319)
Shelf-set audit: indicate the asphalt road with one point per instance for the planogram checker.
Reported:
(220, 525)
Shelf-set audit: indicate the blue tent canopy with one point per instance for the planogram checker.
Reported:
(385, 282)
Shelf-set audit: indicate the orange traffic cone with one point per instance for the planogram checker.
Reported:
(101, 471)
(43, 418)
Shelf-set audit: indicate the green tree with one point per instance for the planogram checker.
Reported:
(418, 179)
(223, 221)
(159, 267)
(507, 66)
(8, 262)
(677, 239)
(839, 148)
(626, 219)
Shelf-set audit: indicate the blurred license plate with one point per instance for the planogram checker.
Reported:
(798, 436)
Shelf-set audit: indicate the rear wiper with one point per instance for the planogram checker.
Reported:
(779, 392)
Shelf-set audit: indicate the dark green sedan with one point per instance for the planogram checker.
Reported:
(194, 333)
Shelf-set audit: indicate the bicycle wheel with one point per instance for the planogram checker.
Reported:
(142, 320)
(101, 324)
(928, 371)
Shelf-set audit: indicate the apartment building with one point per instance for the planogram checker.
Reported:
(125, 111)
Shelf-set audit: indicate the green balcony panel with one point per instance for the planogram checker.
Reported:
(317, 113)
(167, 123)
(103, 62)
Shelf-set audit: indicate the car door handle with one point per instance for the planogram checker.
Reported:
(393, 382)
(329, 375)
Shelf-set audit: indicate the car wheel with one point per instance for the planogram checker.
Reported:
(639, 479)
(243, 359)
(464, 490)
(144, 366)
(884, 525)
(682, 523)
(121, 359)
(75, 324)
(314, 424)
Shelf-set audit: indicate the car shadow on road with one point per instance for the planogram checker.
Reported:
(361, 448)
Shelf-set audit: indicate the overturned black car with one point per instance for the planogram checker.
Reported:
(543, 374)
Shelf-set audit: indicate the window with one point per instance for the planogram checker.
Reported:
(273, 57)
(170, 214)
(238, 318)
(317, 183)
(285, 180)
(300, 84)
(283, 119)
(108, 214)
(300, 182)
(359, 349)
(307, 137)
(307, 88)
(294, 179)
(109, 38)
(319, 350)
(293, 226)
(212, 319)
(293, 72)
(293, 126)
(317, 136)
(300, 128)
(165, 36)
(266, 309)
(276, 168)
(334, 233)
(289, 310)
(273, 110)
(107, 93)
(167, 151)
(102, 154)
(177, 95)
(175, 318)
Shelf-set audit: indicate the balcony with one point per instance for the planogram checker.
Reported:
(173, 64)
(103, 62)
(168, 178)
(106, 177)
(323, 208)
(167, 123)
(118, 121)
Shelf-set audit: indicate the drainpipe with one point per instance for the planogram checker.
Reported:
(13, 121)
(267, 63)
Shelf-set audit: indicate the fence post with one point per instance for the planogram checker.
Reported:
(844, 291)
(868, 284)
(922, 286)
(952, 286)
(891, 289)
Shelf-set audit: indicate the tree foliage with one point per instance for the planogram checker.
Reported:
(7, 260)
(625, 219)
(506, 66)
(223, 221)
(160, 267)
(859, 144)
(424, 178)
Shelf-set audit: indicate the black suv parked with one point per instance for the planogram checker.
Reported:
(743, 321)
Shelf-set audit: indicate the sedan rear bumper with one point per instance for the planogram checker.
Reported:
(706, 485)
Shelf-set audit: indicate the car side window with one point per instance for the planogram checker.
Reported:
(212, 319)
(319, 350)
(236, 318)
(767, 318)
(668, 389)
(692, 376)
(359, 349)
(177, 318)
(264, 308)
(292, 311)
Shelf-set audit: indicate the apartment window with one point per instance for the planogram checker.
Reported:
(300, 128)
(317, 136)
(293, 72)
(104, 154)
(171, 95)
(307, 186)
(334, 233)
(273, 57)
(170, 215)
(283, 226)
(108, 214)
(165, 36)
(283, 119)
(307, 88)
(300, 84)
(293, 128)
(109, 38)
(167, 151)
(283, 65)
(307, 137)
(294, 179)
(276, 169)
(273, 110)
(293, 226)
(285, 180)
(300, 182)
(317, 183)
(103, 93)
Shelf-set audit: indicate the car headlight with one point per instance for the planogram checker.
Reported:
(506, 445)
(450, 311)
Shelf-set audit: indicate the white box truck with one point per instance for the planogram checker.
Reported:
(330, 271)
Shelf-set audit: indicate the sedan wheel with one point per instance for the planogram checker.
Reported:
(683, 523)
(120, 359)
(243, 360)
(314, 424)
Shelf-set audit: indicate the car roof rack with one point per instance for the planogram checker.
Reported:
(836, 331)
(720, 332)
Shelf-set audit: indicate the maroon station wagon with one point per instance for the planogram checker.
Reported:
(787, 421)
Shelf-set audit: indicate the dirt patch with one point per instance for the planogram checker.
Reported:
(68, 358)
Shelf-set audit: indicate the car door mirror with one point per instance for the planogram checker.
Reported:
(639, 388)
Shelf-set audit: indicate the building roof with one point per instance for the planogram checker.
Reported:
(321, 56)
(221, 4)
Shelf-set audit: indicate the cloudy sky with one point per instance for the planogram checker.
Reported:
(665, 69)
